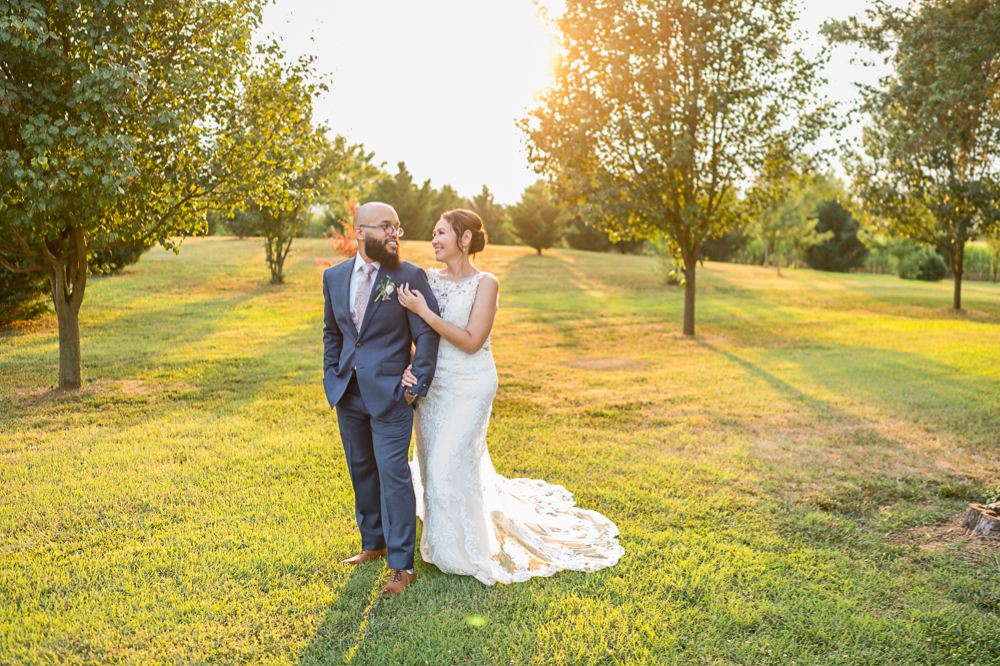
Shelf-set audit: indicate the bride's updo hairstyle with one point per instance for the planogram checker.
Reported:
(465, 220)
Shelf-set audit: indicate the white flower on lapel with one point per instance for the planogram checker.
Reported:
(384, 289)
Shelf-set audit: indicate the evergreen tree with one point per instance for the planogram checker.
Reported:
(843, 251)
(494, 217)
(418, 208)
(537, 221)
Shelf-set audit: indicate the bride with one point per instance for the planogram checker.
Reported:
(476, 522)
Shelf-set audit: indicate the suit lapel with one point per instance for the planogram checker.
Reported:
(372, 303)
(345, 289)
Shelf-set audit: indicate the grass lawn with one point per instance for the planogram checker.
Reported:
(785, 482)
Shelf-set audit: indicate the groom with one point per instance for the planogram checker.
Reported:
(367, 337)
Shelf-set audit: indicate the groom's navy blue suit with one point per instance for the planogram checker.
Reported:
(361, 375)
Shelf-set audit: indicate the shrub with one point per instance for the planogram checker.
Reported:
(924, 264)
(23, 297)
(724, 247)
(843, 251)
(583, 236)
(105, 262)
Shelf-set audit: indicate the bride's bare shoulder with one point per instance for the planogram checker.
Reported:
(490, 280)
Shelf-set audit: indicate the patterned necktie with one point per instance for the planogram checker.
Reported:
(362, 294)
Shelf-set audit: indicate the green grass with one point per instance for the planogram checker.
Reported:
(191, 504)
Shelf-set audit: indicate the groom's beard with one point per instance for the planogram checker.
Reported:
(377, 251)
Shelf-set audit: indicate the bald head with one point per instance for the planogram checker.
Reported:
(374, 213)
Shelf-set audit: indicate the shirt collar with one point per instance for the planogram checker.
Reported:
(359, 262)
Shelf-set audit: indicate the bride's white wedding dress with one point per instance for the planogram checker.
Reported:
(476, 522)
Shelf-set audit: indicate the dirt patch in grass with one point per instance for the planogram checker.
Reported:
(99, 390)
(949, 535)
(966, 312)
(607, 364)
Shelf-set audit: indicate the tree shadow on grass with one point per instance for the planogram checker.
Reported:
(945, 420)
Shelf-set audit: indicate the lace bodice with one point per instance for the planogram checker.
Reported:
(456, 300)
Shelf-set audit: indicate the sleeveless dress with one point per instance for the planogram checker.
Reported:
(476, 522)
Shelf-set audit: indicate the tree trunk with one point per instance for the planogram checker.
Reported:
(539, 250)
(957, 270)
(689, 268)
(70, 363)
(68, 279)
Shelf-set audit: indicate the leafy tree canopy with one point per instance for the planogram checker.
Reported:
(117, 125)
(928, 164)
(661, 110)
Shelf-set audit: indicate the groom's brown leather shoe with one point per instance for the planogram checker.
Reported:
(397, 582)
(364, 556)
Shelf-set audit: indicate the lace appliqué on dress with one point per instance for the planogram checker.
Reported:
(477, 522)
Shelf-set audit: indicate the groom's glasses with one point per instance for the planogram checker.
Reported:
(387, 229)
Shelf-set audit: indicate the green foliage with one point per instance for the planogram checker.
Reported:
(661, 110)
(113, 260)
(843, 251)
(787, 226)
(418, 208)
(928, 164)
(293, 159)
(993, 246)
(979, 261)
(583, 236)
(495, 218)
(354, 179)
(241, 223)
(120, 125)
(725, 246)
(536, 219)
(23, 296)
(924, 264)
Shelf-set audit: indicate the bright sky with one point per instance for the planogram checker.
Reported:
(440, 83)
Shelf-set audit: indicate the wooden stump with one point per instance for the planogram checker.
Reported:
(983, 520)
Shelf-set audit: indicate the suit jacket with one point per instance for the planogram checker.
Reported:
(381, 350)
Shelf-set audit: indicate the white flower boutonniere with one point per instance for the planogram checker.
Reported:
(384, 289)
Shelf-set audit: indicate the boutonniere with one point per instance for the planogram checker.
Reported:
(384, 289)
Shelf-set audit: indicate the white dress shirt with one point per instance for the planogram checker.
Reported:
(356, 277)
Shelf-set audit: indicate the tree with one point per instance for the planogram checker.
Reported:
(418, 208)
(928, 164)
(354, 180)
(662, 109)
(725, 246)
(583, 236)
(536, 219)
(294, 157)
(843, 251)
(113, 118)
(494, 217)
(787, 227)
(411, 203)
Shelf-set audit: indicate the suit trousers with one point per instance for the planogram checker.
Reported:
(377, 451)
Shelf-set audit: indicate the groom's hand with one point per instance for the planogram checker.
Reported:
(408, 380)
